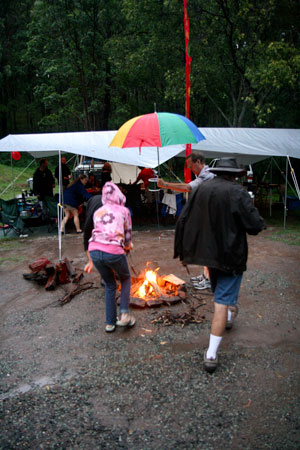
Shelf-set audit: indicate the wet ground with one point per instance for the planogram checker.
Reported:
(65, 383)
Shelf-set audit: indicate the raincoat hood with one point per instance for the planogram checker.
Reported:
(111, 194)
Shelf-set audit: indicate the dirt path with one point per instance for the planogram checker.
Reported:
(145, 388)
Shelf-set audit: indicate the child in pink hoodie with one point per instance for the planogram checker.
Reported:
(110, 241)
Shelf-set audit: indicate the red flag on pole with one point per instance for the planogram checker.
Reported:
(188, 59)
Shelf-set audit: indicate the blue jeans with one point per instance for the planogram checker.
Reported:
(225, 287)
(107, 265)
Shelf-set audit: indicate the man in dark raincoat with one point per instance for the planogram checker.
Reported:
(211, 231)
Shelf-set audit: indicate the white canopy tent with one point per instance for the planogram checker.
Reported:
(248, 145)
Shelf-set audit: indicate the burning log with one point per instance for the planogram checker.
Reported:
(181, 294)
(154, 303)
(137, 302)
(170, 300)
(155, 287)
(173, 280)
(135, 288)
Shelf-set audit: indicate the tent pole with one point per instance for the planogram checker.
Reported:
(270, 188)
(12, 175)
(157, 195)
(59, 207)
(285, 193)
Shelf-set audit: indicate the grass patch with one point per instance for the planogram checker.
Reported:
(11, 259)
(8, 243)
(20, 183)
(291, 233)
(290, 237)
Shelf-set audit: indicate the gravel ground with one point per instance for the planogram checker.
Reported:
(66, 384)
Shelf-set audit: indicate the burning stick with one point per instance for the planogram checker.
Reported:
(155, 287)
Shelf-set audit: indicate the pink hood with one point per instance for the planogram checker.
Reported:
(112, 195)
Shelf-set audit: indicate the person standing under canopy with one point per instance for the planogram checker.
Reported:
(196, 163)
(106, 173)
(43, 181)
(65, 173)
(211, 231)
(145, 174)
(73, 197)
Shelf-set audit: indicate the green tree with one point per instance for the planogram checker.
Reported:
(15, 96)
(66, 46)
(241, 60)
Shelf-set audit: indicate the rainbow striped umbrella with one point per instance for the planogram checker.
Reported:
(157, 130)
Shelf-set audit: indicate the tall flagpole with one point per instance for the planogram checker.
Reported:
(188, 60)
(59, 206)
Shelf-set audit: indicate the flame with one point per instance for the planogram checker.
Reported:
(146, 287)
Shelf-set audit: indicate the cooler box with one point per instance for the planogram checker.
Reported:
(293, 203)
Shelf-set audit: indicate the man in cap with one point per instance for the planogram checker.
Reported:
(196, 163)
(212, 231)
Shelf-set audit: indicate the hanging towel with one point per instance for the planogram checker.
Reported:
(170, 201)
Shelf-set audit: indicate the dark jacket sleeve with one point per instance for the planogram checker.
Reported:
(93, 204)
(36, 183)
(82, 191)
(252, 222)
(50, 176)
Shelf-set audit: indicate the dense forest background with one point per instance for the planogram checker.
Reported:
(72, 65)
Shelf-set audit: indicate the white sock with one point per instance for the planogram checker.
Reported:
(229, 314)
(214, 342)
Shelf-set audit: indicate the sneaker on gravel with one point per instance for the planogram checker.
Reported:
(210, 365)
(198, 278)
(127, 320)
(234, 312)
(205, 284)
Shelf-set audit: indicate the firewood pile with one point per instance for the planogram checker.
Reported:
(183, 318)
(190, 314)
(167, 290)
(50, 275)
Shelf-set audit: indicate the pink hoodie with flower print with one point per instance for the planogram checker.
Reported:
(112, 222)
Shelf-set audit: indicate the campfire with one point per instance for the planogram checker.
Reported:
(150, 289)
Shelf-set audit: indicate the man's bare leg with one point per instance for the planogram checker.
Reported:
(216, 333)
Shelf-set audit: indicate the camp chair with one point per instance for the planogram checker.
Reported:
(50, 210)
(10, 217)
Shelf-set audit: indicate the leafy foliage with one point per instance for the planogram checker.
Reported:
(74, 65)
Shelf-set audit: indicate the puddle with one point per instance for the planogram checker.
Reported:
(35, 384)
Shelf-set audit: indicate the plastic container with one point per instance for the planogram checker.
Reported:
(153, 185)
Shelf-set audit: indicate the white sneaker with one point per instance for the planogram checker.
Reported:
(204, 284)
(197, 279)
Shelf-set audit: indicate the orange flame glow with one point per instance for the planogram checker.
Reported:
(146, 287)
